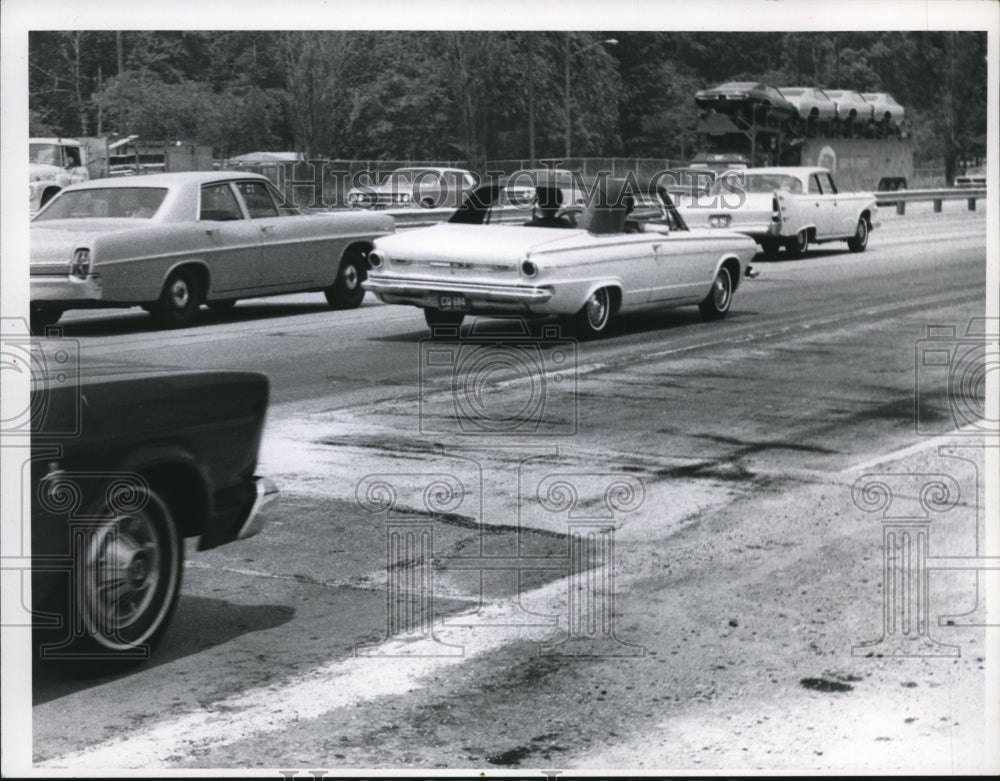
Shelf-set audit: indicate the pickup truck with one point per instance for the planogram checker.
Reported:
(789, 207)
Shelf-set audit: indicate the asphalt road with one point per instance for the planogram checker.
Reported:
(738, 577)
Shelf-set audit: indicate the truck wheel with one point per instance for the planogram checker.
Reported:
(859, 240)
(178, 304)
(798, 245)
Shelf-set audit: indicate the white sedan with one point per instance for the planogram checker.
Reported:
(790, 207)
(585, 265)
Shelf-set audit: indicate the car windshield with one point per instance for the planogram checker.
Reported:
(759, 183)
(132, 202)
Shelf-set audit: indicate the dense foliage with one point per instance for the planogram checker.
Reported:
(480, 95)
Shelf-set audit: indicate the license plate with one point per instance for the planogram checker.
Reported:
(453, 303)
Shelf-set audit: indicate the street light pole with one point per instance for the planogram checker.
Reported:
(568, 93)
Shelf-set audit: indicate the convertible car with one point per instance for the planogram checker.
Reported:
(585, 264)
(171, 242)
(125, 466)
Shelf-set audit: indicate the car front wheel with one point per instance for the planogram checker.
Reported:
(594, 317)
(178, 304)
(347, 292)
(859, 241)
(128, 572)
(717, 302)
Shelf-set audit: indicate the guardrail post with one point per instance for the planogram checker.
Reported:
(900, 207)
(972, 204)
(937, 204)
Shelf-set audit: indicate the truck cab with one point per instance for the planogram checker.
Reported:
(54, 163)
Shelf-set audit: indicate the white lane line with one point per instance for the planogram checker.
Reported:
(345, 682)
(911, 450)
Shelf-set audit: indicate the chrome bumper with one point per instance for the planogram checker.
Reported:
(757, 230)
(394, 290)
(66, 288)
(267, 492)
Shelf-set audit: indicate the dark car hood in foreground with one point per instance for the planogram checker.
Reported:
(108, 403)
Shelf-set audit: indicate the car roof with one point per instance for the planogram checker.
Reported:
(739, 85)
(782, 90)
(431, 168)
(797, 171)
(170, 179)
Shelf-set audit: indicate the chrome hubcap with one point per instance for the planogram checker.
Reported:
(179, 293)
(597, 309)
(350, 276)
(126, 569)
(721, 290)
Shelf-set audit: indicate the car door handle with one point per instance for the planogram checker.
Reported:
(210, 231)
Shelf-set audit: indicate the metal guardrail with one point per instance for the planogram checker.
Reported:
(899, 198)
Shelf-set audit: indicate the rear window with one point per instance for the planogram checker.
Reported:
(762, 183)
(130, 202)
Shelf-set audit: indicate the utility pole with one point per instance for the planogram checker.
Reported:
(566, 87)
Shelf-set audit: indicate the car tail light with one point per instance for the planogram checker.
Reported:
(775, 210)
(529, 269)
(718, 221)
(81, 263)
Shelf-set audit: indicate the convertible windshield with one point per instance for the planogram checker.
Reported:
(132, 202)
(759, 183)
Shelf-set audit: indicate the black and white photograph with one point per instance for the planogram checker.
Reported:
(499, 390)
